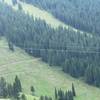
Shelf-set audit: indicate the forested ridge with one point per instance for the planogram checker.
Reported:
(77, 54)
(81, 14)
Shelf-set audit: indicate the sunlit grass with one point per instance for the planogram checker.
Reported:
(33, 72)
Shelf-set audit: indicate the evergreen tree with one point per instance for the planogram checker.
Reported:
(3, 88)
(23, 97)
(32, 90)
(50, 98)
(70, 94)
(89, 76)
(66, 96)
(56, 95)
(41, 97)
(60, 94)
(46, 98)
(73, 90)
(17, 87)
(10, 90)
(5, 93)
(11, 47)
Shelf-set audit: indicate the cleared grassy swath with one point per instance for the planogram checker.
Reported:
(43, 15)
(37, 13)
(32, 71)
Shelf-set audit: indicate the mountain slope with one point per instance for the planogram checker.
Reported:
(80, 14)
(44, 72)
(32, 71)
(43, 15)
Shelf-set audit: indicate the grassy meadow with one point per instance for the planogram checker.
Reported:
(32, 71)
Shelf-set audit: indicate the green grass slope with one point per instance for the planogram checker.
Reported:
(32, 71)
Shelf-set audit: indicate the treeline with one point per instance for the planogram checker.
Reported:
(71, 50)
(61, 95)
(8, 90)
(65, 95)
(80, 14)
(14, 91)
(78, 68)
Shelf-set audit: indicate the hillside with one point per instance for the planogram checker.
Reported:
(81, 14)
(38, 33)
(43, 15)
(32, 71)
(76, 54)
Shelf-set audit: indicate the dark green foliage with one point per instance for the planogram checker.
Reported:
(61, 95)
(41, 98)
(75, 67)
(7, 90)
(73, 90)
(10, 90)
(11, 47)
(17, 88)
(80, 14)
(50, 98)
(3, 88)
(45, 98)
(70, 95)
(23, 97)
(92, 75)
(66, 95)
(56, 93)
(67, 48)
(32, 90)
